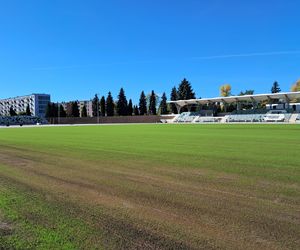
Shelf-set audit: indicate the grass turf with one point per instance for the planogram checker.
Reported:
(150, 186)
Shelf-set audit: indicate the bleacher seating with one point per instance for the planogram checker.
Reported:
(277, 116)
(245, 118)
(21, 120)
(186, 117)
(204, 119)
(261, 115)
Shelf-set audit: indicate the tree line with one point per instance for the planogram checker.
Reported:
(150, 104)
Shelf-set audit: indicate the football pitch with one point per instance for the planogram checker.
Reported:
(150, 187)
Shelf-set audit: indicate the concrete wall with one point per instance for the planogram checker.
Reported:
(106, 119)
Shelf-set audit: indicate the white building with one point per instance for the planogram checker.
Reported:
(292, 106)
(87, 104)
(37, 104)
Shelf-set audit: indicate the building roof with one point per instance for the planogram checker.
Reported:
(287, 96)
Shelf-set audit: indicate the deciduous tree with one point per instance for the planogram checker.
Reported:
(225, 90)
(296, 86)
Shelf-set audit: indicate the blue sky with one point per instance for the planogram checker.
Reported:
(73, 49)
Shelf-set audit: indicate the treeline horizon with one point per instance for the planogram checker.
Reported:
(151, 104)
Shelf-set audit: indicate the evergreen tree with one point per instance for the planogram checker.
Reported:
(54, 110)
(95, 106)
(102, 106)
(174, 97)
(28, 112)
(143, 104)
(48, 110)
(12, 112)
(75, 109)
(109, 105)
(136, 110)
(83, 111)
(62, 111)
(122, 105)
(275, 88)
(163, 104)
(152, 104)
(130, 108)
(247, 92)
(185, 91)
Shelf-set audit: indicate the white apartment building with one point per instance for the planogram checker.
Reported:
(87, 104)
(37, 104)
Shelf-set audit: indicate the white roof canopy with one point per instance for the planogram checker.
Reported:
(287, 96)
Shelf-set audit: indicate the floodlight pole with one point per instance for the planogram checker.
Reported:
(58, 113)
(98, 108)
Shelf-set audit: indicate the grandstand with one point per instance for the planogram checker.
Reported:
(277, 107)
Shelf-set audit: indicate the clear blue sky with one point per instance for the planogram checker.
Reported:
(73, 49)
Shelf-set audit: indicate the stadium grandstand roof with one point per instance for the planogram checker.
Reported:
(287, 96)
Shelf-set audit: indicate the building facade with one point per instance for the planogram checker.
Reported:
(87, 104)
(37, 104)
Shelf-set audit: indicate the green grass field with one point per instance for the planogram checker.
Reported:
(150, 186)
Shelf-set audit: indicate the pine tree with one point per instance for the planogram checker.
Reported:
(174, 97)
(75, 109)
(275, 88)
(12, 112)
(247, 92)
(163, 104)
(62, 111)
(136, 110)
(143, 104)
(130, 108)
(102, 106)
(48, 110)
(109, 105)
(54, 110)
(152, 103)
(122, 105)
(83, 111)
(185, 91)
(28, 112)
(95, 106)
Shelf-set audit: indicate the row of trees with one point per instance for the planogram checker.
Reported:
(148, 105)
(122, 107)
(225, 90)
